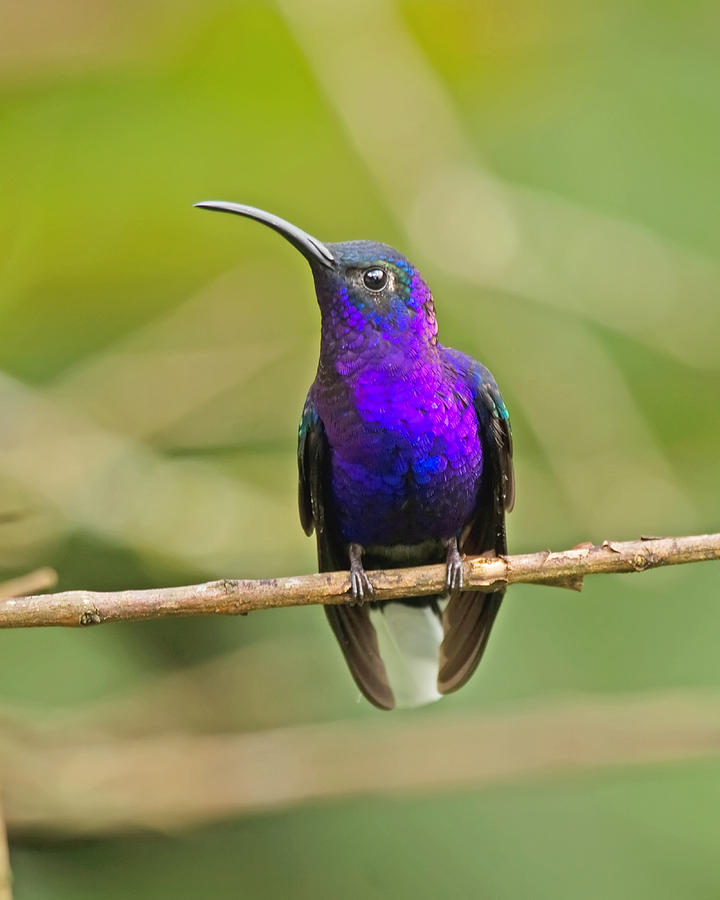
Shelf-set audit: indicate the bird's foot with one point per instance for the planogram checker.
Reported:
(454, 579)
(359, 582)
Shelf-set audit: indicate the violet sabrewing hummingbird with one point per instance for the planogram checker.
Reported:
(404, 458)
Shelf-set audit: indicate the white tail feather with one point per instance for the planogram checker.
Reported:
(409, 638)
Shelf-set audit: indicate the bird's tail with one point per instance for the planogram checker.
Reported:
(409, 636)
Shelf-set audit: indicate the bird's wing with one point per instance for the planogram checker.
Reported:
(469, 615)
(351, 624)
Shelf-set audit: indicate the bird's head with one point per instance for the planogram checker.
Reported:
(362, 287)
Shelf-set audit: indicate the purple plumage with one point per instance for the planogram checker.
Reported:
(405, 457)
(398, 412)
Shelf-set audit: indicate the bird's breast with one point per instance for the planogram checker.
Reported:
(406, 457)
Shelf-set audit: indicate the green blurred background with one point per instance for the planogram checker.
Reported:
(552, 169)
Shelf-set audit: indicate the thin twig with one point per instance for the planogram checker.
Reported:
(5, 873)
(104, 784)
(239, 597)
(39, 580)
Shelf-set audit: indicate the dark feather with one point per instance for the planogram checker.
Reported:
(358, 641)
(469, 615)
(350, 624)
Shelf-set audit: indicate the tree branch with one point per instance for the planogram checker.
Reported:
(5, 873)
(102, 783)
(39, 580)
(239, 597)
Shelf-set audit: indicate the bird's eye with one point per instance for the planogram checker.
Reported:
(375, 279)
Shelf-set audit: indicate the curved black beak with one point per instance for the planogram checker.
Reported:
(311, 248)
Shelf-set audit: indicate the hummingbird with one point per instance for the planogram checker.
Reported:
(404, 459)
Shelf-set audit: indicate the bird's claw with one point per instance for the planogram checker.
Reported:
(454, 579)
(359, 585)
(359, 582)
